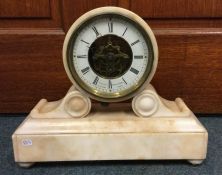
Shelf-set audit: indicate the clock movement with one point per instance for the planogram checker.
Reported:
(111, 111)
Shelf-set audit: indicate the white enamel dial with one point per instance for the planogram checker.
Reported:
(109, 56)
(122, 29)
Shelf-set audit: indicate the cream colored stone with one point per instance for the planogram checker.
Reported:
(26, 164)
(195, 162)
(74, 104)
(172, 132)
(149, 104)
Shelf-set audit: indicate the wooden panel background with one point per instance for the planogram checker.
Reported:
(24, 8)
(189, 36)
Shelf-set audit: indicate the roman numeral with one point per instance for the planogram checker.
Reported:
(124, 31)
(124, 80)
(81, 56)
(95, 30)
(138, 56)
(110, 26)
(84, 41)
(85, 70)
(96, 80)
(110, 84)
(134, 70)
(135, 42)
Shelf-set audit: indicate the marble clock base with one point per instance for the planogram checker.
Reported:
(111, 135)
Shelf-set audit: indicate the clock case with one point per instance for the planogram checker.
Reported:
(75, 129)
(122, 13)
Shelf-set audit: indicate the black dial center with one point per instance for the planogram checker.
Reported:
(110, 56)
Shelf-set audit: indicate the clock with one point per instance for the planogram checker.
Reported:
(110, 54)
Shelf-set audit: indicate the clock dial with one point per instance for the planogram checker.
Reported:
(110, 56)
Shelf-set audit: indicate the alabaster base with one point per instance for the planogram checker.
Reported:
(172, 132)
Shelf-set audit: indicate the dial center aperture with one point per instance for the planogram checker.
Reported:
(110, 56)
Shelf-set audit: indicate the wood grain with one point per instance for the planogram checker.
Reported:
(177, 8)
(190, 66)
(24, 9)
(30, 69)
(189, 40)
(81, 7)
(33, 19)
